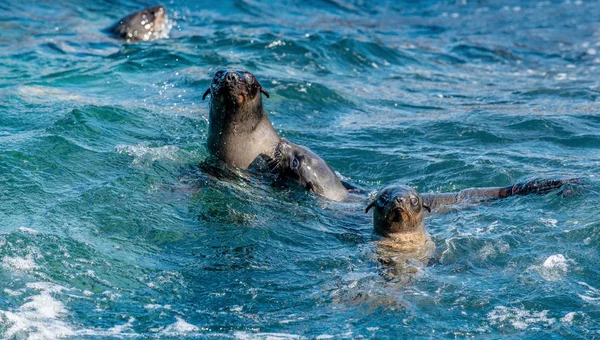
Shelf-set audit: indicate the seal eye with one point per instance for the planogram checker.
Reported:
(295, 163)
(414, 200)
(382, 200)
(249, 78)
(218, 76)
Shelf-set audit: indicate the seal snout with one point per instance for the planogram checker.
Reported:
(231, 78)
(395, 208)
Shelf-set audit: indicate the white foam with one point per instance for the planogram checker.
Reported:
(13, 292)
(120, 329)
(26, 263)
(550, 222)
(491, 250)
(568, 318)
(555, 267)
(180, 327)
(39, 318)
(592, 295)
(156, 306)
(518, 318)
(28, 230)
(265, 336)
(144, 154)
(276, 43)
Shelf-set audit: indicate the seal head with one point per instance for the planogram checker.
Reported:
(145, 25)
(398, 217)
(306, 168)
(239, 129)
(398, 210)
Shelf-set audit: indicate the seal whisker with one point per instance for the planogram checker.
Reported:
(206, 93)
(263, 91)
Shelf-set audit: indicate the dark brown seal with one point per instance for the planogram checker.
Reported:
(300, 164)
(239, 130)
(145, 25)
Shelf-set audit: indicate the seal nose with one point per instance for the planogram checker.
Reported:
(232, 77)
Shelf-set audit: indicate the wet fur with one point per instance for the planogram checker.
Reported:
(239, 130)
(312, 173)
(147, 24)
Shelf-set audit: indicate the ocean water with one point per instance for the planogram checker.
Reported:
(108, 229)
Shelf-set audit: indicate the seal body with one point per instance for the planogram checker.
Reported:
(145, 25)
(306, 168)
(239, 130)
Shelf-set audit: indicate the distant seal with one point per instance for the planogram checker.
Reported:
(145, 25)
(306, 168)
(239, 130)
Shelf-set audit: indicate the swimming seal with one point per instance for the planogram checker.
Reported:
(306, 168)
(145, 25)
(239, 130)
(398, 217)
(399, 208)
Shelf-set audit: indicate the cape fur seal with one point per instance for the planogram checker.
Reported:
(398, 217)
(145, 25)
(306, 168)
(239, 130)
(398, 209)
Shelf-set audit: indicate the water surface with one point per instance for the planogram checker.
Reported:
(107, 229)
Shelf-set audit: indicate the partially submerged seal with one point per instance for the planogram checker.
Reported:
(398, 209)
(239, 130)
(398, 217)
(145, 25)
(306, 168)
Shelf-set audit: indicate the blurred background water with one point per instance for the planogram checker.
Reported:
(108, 230)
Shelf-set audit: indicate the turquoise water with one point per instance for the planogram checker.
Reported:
(108, 229)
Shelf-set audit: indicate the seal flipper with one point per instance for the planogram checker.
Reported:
(539, 187)
(354, 189)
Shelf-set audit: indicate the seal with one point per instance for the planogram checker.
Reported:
(239, 130)
(307, 169)
(398, 217)
(399, 208)
(145, 25)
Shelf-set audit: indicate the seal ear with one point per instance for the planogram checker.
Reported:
(371, 205)
(263, 91)
(206, 93)
(427, 207)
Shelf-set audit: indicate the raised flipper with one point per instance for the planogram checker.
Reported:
(541, 186)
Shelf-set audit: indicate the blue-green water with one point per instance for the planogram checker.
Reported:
(107, 231)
